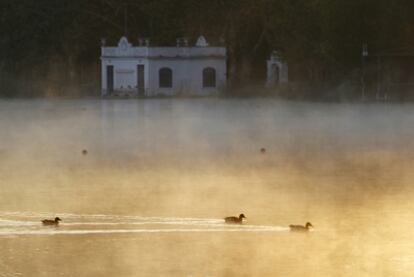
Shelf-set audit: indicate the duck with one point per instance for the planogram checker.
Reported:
(51, 222)
(300, 228)
(235, 219)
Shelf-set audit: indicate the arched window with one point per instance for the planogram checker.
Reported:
(209, 77)
(165, 77)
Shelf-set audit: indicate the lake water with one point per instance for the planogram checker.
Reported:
(148, 196)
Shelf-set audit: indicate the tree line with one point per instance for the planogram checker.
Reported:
(53, 46)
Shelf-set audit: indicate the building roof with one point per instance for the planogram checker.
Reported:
(127, 50)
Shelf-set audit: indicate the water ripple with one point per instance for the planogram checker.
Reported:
(74, 224)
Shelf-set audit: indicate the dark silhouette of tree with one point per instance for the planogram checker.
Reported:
(57, 43)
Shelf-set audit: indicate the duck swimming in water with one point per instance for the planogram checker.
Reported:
(51, 222)
(300, 228)
(234, 219)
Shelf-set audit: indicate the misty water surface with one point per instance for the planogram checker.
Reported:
(148, 197)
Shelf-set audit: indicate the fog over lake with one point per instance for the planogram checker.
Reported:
(148, 195)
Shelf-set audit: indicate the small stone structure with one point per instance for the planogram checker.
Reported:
(277, 71)
(145, 70)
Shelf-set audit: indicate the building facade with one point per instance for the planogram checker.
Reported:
(152, 71)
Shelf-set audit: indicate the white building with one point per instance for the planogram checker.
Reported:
(277, 71)
(151, 71)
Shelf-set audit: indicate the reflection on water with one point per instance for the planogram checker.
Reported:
(110, 224)
(159, 176)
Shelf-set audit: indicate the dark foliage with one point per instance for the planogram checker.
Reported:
(52, 47)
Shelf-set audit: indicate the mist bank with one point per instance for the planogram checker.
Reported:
(158, 177)
(15, 87)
